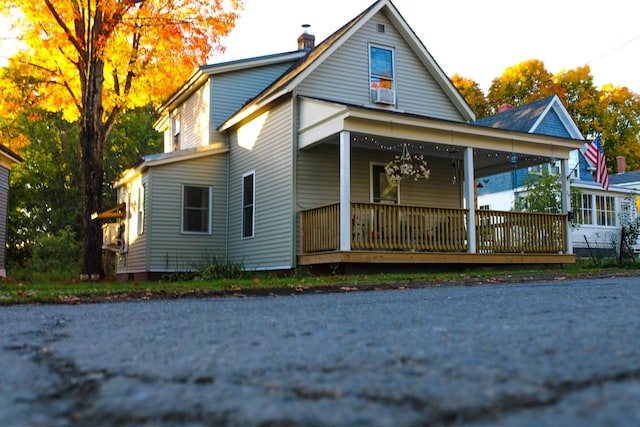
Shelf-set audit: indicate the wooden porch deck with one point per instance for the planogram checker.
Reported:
(384, 257)
(410, 234)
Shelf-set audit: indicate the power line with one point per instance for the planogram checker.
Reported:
(613, 50)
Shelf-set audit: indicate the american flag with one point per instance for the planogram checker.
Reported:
(595, 155)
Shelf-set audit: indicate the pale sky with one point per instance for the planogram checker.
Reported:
(476, 39)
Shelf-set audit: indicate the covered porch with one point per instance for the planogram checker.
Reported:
(349, 213)
(379, 233)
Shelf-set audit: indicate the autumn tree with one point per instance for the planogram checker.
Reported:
(620, 125)
(612, 111)
(581, 98)
(95, 59)
(522, 84)
(472, 93)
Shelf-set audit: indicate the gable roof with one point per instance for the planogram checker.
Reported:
(201, 75)
(529, 117)
(290, 79)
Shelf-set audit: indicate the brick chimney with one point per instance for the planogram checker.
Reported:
(622, 164)
(306, 41)
(504, 107)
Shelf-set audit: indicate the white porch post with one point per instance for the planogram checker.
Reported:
(470, 196)
(345, 191)
(566, 199)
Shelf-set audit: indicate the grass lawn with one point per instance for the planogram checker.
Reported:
(14, 292)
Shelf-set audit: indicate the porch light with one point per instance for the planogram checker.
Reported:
(406, 165)
(454, 167)
(514, 161)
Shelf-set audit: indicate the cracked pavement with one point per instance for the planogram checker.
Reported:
(528, 354)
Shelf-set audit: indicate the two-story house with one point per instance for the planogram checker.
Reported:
(282, 161)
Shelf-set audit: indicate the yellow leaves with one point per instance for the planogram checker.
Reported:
(148, 48)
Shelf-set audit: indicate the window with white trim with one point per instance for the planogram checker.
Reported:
(583, 208)
(175, 132)
(605, 210)
(381, 74)
(196, 209)
(141, 191)
(248, 204)
(382, 191)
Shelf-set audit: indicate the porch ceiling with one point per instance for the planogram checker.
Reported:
(495, 150)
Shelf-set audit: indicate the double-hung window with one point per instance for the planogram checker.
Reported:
(381, 75)
(141, 191)
(248, 204)
(175, 132)
(605, 210)
(591, 209)
(583, 207)
(196, 209)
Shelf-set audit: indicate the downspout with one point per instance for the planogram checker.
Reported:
(226, 240)
(295, 114)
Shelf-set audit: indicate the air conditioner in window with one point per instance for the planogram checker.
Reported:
(383, 96)
(111, 238)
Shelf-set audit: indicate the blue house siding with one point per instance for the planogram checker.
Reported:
(552, 125)
(585, 173)
(498, 183)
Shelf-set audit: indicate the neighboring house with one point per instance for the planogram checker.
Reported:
(598, 213)
(279, 161)
(546, 116)
(7, 160)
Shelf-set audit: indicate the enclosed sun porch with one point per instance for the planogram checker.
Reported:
(359, 203)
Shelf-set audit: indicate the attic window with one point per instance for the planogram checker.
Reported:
(175, 129)
(380, 28)
(381, 73)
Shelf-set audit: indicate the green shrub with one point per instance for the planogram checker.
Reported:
(54, 256)
(215, 269)
(212, 268)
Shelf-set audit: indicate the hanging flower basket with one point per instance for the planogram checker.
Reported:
(406, 165)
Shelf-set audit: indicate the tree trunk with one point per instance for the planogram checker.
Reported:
(92, 180)
(92, 136)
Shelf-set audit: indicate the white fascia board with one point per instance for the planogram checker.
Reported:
(245, 113)
(167, 158)
(244, 64)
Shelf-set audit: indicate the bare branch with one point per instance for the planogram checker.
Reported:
(65, 28)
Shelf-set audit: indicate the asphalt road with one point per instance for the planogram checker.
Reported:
(561, 353)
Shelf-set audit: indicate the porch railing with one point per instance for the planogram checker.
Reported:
(398, 227)
(410, 228)
(320, 228)
(520, 232)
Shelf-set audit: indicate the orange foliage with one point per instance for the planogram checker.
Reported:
(148, 47)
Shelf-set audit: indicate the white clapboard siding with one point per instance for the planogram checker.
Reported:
(271, 157)
(168, 248)
(318, 176)
(134, 260)
(318, 180)
(4, 203)
(344, 77)
(194, 119)
(232, 90)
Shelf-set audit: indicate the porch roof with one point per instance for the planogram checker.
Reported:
(494, 149)
(152, 160)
